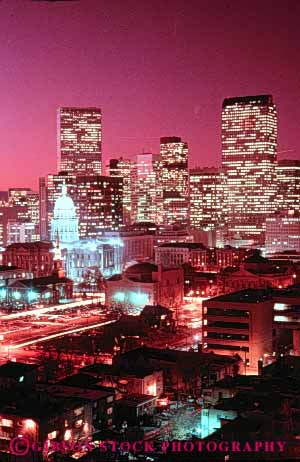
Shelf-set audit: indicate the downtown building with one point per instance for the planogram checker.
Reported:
(145, 187)
(173, 194)
(79, 132)
(207, 198)
(121, 168)
(283, 233)
(288, 185)
(249, 149)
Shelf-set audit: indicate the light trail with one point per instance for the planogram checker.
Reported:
(48, 309)
(57, 335)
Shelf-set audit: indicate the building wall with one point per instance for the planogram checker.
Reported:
(249, 150)
(79, 140)
(283, 233)
(174, 180)
(248, 333)
(36, 259)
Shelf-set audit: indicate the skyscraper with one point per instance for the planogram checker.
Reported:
(249, 149)
(207, 198)
(100, 204)
(79, 140)
(288, 184)
(174, 180)
(145, 183)
(122, 168)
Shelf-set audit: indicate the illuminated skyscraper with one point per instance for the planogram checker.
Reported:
(79, 140)
(122, 168)
(100, 204)
(174, 180)
(207, 198)
(288, 184)
(249, 149)
(145, 184)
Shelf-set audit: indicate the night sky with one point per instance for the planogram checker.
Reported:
(155, 67)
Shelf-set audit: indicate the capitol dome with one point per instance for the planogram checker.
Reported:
(64, 223)
(64, 206)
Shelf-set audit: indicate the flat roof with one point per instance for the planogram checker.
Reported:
(135, 400)
(245, 296)
(15, 369)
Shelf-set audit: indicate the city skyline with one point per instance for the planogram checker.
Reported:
(145, 91)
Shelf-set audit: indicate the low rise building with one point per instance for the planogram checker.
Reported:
(36, 257)
(47, 290)
(133, 409)
(131, 379)
(240, 323)
(176, 254)
(183, 372)
(146, 284)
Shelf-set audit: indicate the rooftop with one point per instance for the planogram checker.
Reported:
(245, 296)
(43, 281)
(135, 400)
(260, 100)
(144, 355)
(14, 369)
(185, 245)
(118, 371)
(31, 245)
(92, 394)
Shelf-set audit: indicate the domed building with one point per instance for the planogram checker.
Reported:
(81, 256)
(64, 224)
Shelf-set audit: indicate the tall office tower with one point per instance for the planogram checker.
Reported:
(249, 149)
(79, 140)
(122, 168)
(207, 198)
(99, 201)
(145, 183)
(174, 180)
(288, 184)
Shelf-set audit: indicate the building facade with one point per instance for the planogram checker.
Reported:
(35, 257)
(240, 323)
(283, 232)
(174, 255)
(173, 196)
(249, 150)
(79, 140)
(288, 184)
(145, 185)
(122, 168)
(207, 198)
(146, 284)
